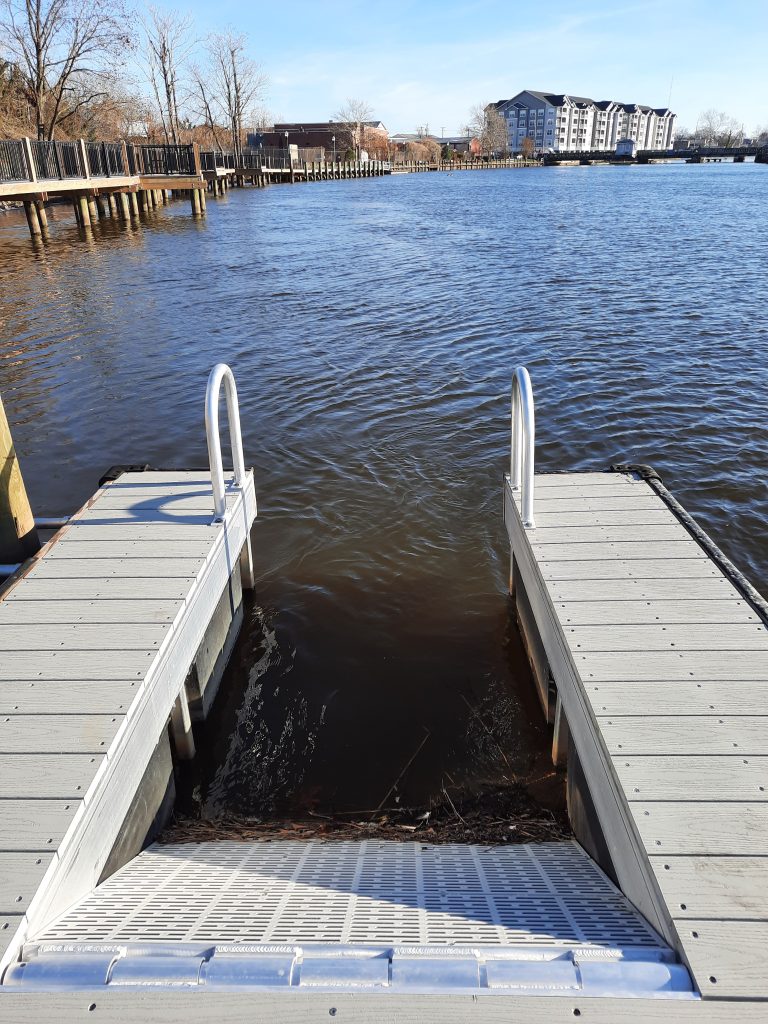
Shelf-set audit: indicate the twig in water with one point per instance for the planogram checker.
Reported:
(453, 806)
(475, 712)
(410, 761)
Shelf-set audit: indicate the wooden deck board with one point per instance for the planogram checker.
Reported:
(89, 664)
(20, 875)
(608, 614)
(711, 777)
(82, 636)
(95, 588)
(666, 635)
(47, 775)
(52, 611)
(697, 665)
(68, 696)
(58, 734)
(624, 569)
(35, 825)
(679, 697)
(669, 663)
(730, 888)
(101, 569)
(685, 734)
(710, 587)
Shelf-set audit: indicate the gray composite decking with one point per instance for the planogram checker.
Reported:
(662, 669)
(96, 639)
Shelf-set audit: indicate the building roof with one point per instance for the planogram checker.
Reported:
(560, 100)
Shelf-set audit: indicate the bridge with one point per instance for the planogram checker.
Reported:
(701, 154)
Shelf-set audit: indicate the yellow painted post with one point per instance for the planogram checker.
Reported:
(18, 536)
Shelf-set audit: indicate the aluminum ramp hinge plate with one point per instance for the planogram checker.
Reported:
(503, 970)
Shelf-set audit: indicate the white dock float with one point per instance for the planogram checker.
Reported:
(658, 660)
(97, 636)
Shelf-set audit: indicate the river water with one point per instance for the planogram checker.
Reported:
(373, 327)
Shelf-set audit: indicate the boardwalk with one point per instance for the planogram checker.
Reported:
(661, 669)
(97, 639)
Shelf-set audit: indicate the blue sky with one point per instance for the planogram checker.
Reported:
(428, 62)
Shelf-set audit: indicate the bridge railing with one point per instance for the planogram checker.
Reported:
(56, 161)
(13, 161)
(168, 160)
(105, 159)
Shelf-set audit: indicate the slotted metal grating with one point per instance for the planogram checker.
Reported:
(548, 894)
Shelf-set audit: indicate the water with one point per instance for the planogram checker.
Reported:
(373, 327)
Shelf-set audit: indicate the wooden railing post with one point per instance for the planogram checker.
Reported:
(84, 158)
(124, 154)
(29, 159)
(196, 159)
(18, 537)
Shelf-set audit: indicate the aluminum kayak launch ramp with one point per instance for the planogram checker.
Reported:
(377, 916)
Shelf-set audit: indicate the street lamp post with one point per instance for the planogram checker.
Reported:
(287, 150)
(333, 140)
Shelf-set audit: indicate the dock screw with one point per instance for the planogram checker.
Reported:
(332, 1011)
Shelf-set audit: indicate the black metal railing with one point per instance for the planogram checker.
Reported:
(57, 160)
(105, 159)
(161, 160)
(13, 162)
(213, 159)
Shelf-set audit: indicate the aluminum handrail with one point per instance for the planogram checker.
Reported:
(523, 437)
(221, 374)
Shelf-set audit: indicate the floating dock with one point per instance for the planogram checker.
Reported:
(650, 655)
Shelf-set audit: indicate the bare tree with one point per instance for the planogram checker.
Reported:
(57, 43)
(490, 129)
(760, 135)
(228, 88)
(167, 45)
(716, 128)
(350, 119)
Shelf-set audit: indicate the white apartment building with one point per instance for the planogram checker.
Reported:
(562, 123)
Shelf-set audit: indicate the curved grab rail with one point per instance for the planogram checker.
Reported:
(523, 436)
(221, 374)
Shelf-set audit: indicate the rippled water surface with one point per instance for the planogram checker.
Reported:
(373, 327)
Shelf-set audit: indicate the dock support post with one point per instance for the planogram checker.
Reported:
(18, 537)
(125, 209)
(33, 220)
(181, 729)
(561, 736)
(85, 213)
(42, 216)
(246, 566)
(134, 204)
(101, 209)
(195, 197)
(201, 197)
(93, 212)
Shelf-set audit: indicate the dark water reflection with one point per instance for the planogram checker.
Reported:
(373, 327)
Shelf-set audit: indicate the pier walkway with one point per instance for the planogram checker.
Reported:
(651, 653)
(98, 635)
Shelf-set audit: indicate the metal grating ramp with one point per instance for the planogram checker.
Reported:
(547, 894)
(371, 914)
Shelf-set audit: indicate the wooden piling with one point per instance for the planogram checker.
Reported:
(18, 536)
(125, 209)
(93, 212)
(85, 213)
(101, 209)
(195, 197)
(33, 220)
(134, 204)
(42, 216)
(201, 196)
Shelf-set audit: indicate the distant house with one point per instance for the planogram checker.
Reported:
(329, 136)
